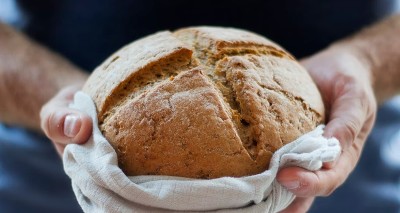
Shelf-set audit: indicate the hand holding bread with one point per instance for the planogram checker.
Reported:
(344, 79)
(202, 102)
(62, 124)
(237, 96)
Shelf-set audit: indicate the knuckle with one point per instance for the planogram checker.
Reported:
(325, 185)
(344, 83)
(368, 101)
(372, 106)
(347, 130)
(317, 187)
(310, 187)
(45, 118)
(351, 129)
(53, 125)
(328, 191)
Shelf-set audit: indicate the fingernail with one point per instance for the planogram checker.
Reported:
(291, 184)
(72, 125)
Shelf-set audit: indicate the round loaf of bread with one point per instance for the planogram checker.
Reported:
(202, 102)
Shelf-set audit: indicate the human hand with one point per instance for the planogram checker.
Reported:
(62, 124)
(344, 80)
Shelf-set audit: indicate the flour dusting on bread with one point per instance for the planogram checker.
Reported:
(202, 102)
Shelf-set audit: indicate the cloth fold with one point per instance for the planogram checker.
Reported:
(101, 186)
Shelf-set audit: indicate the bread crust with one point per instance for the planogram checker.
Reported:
(202, 102)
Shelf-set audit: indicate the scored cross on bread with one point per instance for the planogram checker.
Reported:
(202, 102)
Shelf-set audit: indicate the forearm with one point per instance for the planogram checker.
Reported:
(379, 46)
(29, 76)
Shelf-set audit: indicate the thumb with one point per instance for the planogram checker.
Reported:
(63, 125)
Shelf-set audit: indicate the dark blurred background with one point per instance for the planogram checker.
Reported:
(87, 31)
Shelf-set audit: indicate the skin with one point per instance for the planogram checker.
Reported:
(351, 109)
(348, 74)
(352, 75)
(30, 75)
(55, 122)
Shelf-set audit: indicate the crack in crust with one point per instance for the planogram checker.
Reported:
(271, 94)
(145, 79)
(211, 56)
(237, 74)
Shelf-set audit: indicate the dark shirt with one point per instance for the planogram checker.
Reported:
(87, 31)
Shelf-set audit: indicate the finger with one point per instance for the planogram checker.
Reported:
(299, 205)
(64, 125)
(347, 116)
(304, 183)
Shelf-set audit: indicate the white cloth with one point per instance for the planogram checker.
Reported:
(101, 186)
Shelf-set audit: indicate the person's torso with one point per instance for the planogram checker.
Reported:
(88, 31)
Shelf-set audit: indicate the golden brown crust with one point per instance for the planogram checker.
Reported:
(202, 102)
(131, 61)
